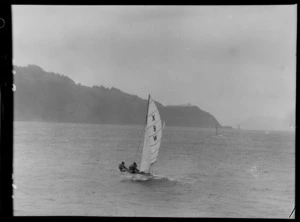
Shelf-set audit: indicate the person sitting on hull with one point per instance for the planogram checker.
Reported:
(133, 168)
(122, 167)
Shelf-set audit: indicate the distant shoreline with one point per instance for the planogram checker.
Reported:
(116, 124)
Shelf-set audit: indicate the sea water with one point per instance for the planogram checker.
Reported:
(72, 169)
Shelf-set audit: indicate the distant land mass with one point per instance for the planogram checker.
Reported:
(268, 123)
(51, 97)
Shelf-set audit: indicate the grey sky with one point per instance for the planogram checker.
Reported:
(232, 61)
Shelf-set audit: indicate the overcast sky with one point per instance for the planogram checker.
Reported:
(232, 61)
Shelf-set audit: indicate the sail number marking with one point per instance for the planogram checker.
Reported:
(155, 143)
(155, 132)
(150, 114)
(153, 117)
(153, 124)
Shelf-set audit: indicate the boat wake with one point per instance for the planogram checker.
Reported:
(147, 178)
(181, 180)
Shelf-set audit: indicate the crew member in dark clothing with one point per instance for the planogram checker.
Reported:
(122, 167)
(133, 168)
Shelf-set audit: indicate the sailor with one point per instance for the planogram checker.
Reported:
(122, 167)
(133, 168)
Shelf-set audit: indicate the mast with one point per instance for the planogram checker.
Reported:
(145, 125)
(147, 109)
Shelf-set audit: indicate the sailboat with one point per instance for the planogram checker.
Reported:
(217, 127)
(152, 141)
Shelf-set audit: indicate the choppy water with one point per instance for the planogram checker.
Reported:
(72, 169)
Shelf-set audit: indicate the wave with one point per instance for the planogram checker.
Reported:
(191, 178)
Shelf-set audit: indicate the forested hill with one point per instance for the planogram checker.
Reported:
(51, 97)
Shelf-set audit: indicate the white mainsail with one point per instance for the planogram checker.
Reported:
(152, 138)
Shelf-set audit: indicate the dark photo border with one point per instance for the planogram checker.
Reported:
(6, 107)
(6, 126)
